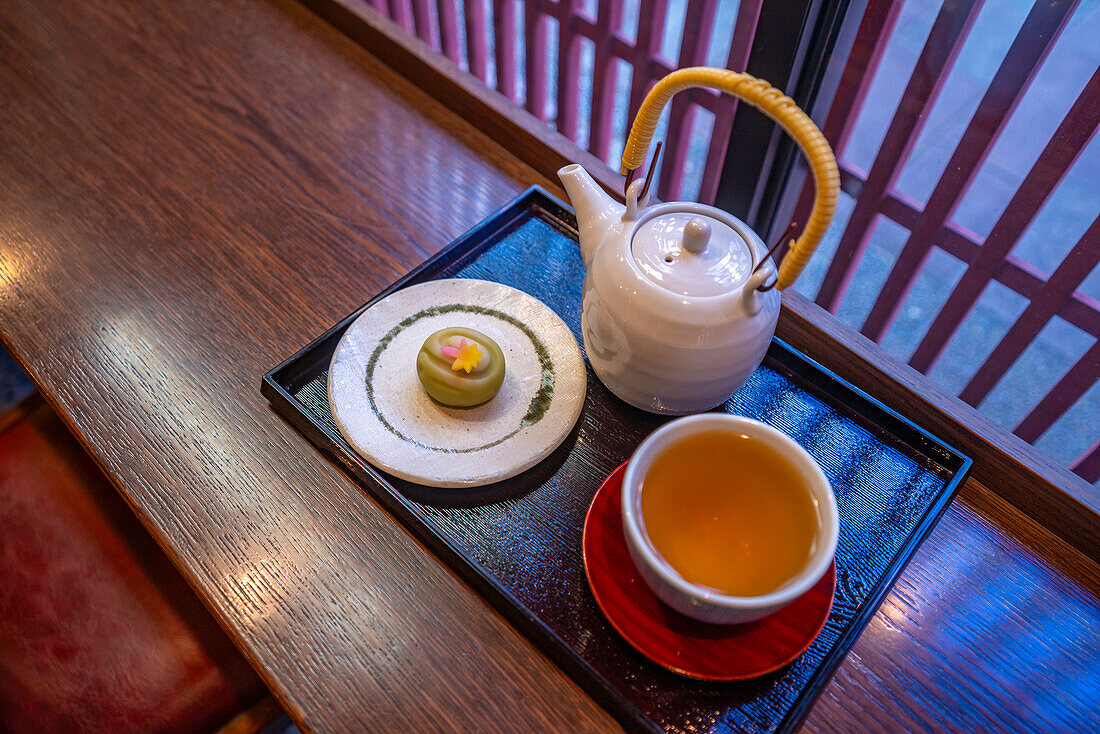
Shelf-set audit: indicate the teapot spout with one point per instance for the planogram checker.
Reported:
(596, 211)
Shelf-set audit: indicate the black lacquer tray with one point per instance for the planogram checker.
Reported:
(518, 542)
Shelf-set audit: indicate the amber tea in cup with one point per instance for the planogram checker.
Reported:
(729, 512)
(726, 518)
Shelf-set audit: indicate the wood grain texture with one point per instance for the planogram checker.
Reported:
(1029, 479)
(981, 633)
(191, 193)
(1049, 493)
(97, 630)
(525, 135)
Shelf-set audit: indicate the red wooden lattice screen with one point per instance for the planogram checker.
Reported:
(490, 48)
(528, 25)
(930, 226)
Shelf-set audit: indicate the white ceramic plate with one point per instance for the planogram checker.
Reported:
(388, 418)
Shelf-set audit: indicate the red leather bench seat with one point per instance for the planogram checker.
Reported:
(98, 631)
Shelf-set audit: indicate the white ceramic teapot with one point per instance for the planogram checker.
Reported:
(680, 300)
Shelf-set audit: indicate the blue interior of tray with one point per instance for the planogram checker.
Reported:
(525, 533)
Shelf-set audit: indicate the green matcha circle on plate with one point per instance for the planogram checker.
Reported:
(460, 367)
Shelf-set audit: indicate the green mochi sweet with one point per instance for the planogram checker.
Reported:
(457, 388)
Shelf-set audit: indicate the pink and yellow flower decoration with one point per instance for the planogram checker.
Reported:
(466, 355)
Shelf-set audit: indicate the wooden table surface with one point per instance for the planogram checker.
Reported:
(189, 192)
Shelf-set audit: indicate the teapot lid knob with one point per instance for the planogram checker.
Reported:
(685, 249)
(696, 235)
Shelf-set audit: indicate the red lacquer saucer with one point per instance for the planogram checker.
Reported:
(683, 645)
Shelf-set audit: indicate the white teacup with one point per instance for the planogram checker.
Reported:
(700, 602)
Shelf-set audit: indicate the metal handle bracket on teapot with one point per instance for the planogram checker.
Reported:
(780, 108)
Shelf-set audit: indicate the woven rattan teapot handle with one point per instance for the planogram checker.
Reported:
(778, 107)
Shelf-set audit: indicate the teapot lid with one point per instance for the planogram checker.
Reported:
(692, 254)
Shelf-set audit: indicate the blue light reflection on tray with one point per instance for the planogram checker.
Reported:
(526, 532)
